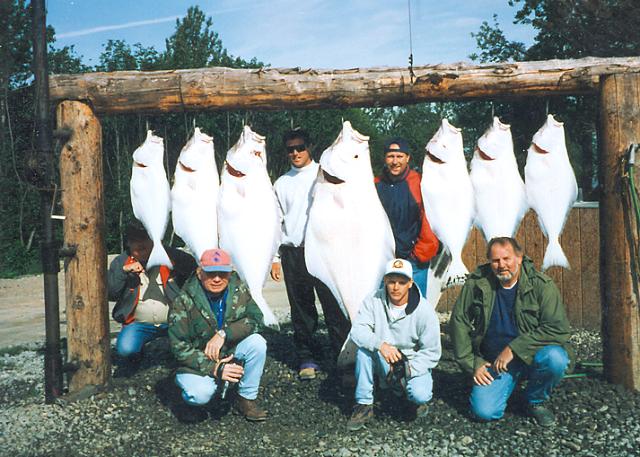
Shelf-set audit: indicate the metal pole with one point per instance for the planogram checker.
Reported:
(48, 247)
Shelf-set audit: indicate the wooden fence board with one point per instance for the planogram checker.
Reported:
(578, 286)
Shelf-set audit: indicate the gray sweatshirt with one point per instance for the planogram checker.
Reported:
(416, 334)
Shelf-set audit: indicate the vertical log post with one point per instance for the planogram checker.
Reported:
(620, 126)
(81, 178)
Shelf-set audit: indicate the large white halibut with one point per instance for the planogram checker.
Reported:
(248, 215)
(194, 195)
(150, 196)
(447, 194)
(500, 198)
(348, 239)
(551, 186)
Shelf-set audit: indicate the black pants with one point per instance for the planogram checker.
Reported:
(304, 315)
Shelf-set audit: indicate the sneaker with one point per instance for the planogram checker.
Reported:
(307, 371)
(541, 414)
(249, 409)
(359, 417)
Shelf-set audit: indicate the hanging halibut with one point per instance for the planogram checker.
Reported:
(348, 239)
(248, 217)
(551, 186)
(500, 198)
(150, 197)
(447, 194)
(194, 195)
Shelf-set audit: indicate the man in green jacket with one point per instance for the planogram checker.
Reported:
(509, 323)
(213, 327)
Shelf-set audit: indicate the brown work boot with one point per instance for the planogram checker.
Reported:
(249, 409)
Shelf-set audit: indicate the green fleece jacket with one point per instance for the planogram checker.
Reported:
(192, 323)
(539, 314)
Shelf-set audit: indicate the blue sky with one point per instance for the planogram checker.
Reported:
(290, 33)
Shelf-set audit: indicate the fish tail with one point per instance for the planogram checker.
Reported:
(269, 318)
(554, 255)
(457, 273)
(159, 256)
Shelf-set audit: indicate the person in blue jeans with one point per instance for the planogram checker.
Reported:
(143, 295)
(395, 328)
(509, 324)
(213, 332)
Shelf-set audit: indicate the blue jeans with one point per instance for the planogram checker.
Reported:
(546, 371)
(198, 390)
(419, 388)
(420, 271)
(135, 335)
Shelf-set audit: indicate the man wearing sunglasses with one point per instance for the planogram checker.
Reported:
(293, 190)
(399, 190)
(213, 331)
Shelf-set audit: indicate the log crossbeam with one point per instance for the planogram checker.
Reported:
(220, 88)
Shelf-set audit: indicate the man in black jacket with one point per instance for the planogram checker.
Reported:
(143, 296)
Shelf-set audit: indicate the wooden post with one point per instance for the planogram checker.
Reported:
(620, 126)
(81, 179)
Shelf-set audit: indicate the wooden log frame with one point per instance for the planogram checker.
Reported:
(220, 88)
(616, 80)
(620, 126)
(81, 177)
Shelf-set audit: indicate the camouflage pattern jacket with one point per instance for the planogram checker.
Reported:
(192, 323)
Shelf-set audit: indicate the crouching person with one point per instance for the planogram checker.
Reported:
(213, 327)
(509, 324)
(398, 338)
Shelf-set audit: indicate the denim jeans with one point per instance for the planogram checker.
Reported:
(419, 388)
(546, 371)
(198, 390)
(135, 335)
(420, 271)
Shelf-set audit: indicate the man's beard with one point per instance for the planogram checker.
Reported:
(506, 276)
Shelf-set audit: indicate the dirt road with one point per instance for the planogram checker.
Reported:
(22, 308)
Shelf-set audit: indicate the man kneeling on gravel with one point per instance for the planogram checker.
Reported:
(398, 338)
(213, 330)
(509, 323)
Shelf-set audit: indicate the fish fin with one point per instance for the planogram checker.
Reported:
(269, 318)
(554, 256)
(457, 273)
(159, 256)
(347, 356)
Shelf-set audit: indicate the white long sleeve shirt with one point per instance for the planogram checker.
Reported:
(293, 190)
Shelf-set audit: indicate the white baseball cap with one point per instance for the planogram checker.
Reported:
(399, 267)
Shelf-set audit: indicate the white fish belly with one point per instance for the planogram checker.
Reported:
(448, 202)
(150, 199)
(500, 198)
(194, 201)
(249, 228)
(347, 242)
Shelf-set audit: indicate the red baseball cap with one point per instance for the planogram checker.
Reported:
(215, 260)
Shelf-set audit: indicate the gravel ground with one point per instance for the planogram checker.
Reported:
(136, 416)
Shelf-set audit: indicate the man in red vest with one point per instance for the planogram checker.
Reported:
(143, 296)
(398, 187)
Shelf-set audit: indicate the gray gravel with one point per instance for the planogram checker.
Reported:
(136, 416)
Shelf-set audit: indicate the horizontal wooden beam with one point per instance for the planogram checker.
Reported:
(219, 88)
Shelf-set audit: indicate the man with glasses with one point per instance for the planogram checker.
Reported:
(294, 192)
(213, 330)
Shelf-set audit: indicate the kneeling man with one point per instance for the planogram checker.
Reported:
(509, 323)
(213, 327)
(397, 330)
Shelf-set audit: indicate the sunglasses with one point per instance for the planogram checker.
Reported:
(296, 148)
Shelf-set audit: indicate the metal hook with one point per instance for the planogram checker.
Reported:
(194, 122)
(546, 112)
(492, 110)
(146, 123)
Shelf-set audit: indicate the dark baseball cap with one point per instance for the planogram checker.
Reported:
(402, 144)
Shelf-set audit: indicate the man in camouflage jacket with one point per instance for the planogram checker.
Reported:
(213, 327)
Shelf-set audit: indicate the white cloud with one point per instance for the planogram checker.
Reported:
(126, 25)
